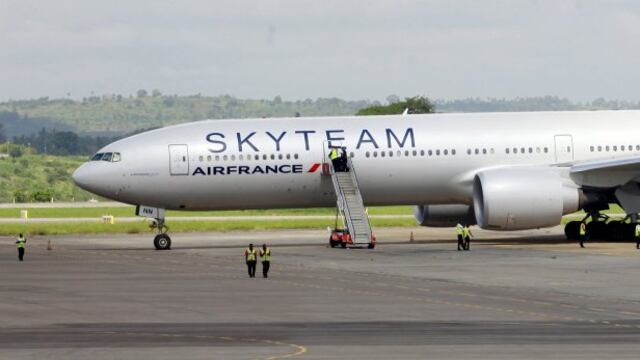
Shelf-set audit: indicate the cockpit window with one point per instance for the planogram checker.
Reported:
(107, 157)
(97, 157)
(116, 157)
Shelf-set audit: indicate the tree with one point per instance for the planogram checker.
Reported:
(156, 93)
(141, 93)
(3, 136)
(415, 105)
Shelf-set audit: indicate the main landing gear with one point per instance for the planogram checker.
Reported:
(603, 228)
(162, 241)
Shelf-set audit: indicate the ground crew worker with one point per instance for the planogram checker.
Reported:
(20, 242)
(637, 236)
(466, 233)
(583, 234)
(250, 257)
(344, 163)
(265, 256)
(459, 233)
(335, 159)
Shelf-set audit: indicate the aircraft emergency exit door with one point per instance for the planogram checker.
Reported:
(179, 159)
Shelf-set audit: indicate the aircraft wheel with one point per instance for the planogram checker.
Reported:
(371, 246)
(572, 230)
(162, 242)
(333, 243)
(597, 230)
(343, 245)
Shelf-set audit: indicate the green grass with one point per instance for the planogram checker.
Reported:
(182, 226)
(130, 211)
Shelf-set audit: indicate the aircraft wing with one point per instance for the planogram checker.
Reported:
(606, 173)
(621, 174)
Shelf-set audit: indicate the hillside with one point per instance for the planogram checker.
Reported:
(36, 177)
(115, 114)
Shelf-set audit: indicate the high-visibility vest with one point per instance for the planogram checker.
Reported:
(251, 255)
(459, 230)
(466, 232)
(638, 231)
(333, 154)
(265, 255)
(20, 242)
(583, 229)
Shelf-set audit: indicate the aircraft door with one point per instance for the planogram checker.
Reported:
(179, 159)
(564, 148)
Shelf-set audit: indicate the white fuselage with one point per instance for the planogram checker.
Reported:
(411, 159)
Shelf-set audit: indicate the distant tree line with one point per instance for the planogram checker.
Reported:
(54, 142)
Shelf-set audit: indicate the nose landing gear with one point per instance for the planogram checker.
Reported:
(162, 241)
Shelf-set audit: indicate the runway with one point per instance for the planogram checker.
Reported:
(530, 295)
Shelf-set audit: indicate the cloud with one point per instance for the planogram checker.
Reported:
(300, 49)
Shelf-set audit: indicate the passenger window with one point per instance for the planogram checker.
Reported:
(375, 154)
(521, 150)
(279, 156)
(515, 150)
(225, 158)
(492, 151)
(383, 153)
(240, 157)
(607, 148)
(477, 151)
(288, 156)
(615, 148)
(468, 151)
(107, 157)
(538, 150)
(352, 155)
(599, 148)
(264, 156)
(406, 153)
(592, 148)
(116, 157)
(209, 158)
(97, 157)
(217, 157)
(506, 151)
(546, 150)
(484, 151)
(637, 147)
(453, 151)
(421, 152)
(445, 152)
(367, 154)
(430, 153)
(200, 158)
(295, 156)
(399, 153)
(390, 153)
(438, 152)
(415, 153)
(530, 150)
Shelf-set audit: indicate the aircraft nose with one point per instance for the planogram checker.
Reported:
(82, 177)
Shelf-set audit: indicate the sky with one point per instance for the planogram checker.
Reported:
(578, 49)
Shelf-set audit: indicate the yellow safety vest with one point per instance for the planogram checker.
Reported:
(638, 231)
(466, 232)
(583, 229)
(251, 255)
(20, 242)
(459, 230)
(265, 255)
(333, 154)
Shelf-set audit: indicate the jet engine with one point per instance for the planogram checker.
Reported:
(518, 199)
(444, 215)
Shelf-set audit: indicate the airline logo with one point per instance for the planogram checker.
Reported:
(253, 170)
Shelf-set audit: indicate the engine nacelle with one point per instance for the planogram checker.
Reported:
(444, 215)
(518, 199)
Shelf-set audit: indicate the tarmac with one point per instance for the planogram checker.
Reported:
(523, 295)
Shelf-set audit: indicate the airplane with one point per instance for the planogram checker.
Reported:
(501, 171)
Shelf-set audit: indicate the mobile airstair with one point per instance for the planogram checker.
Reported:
(350, 205)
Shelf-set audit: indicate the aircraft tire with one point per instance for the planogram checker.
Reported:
(333, 243)
(162, 242)
(343, 245)
(572, 230)
(597, 230)
(371, 246)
